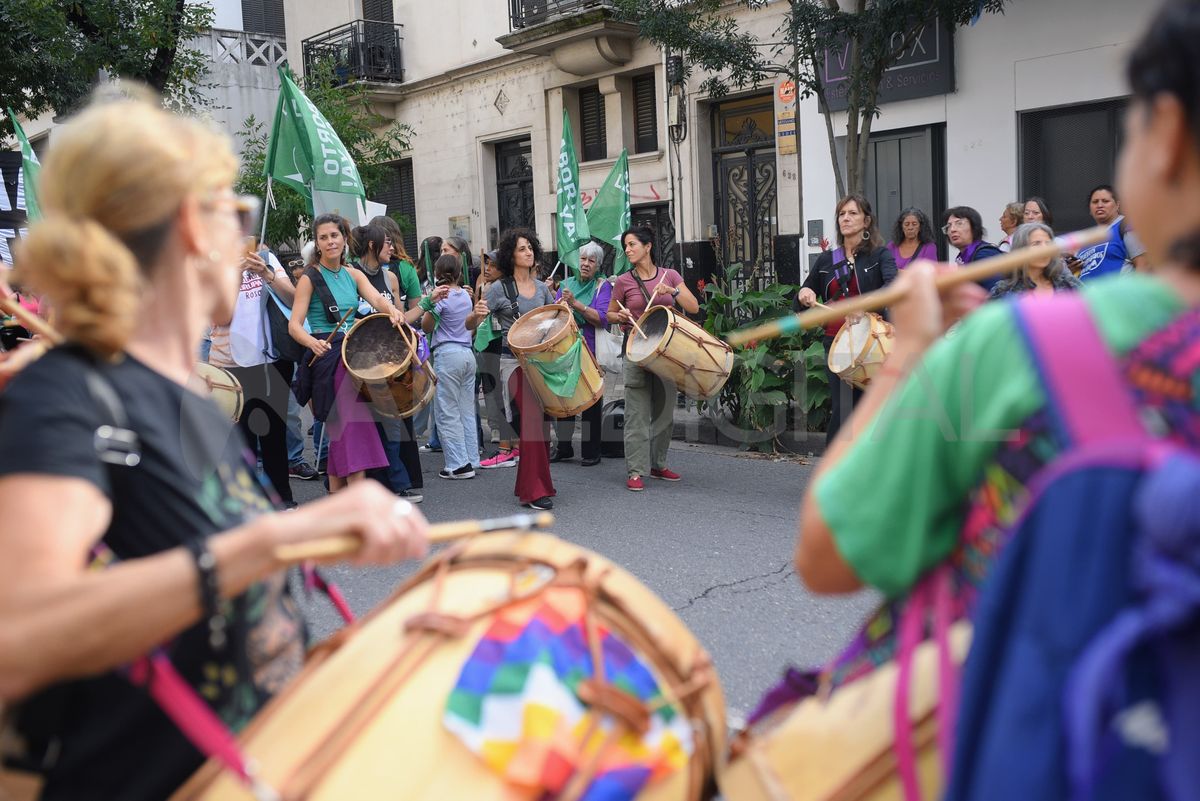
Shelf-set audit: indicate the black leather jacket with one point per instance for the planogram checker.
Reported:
(874, 270)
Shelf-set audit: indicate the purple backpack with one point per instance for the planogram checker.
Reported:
(1083, 680)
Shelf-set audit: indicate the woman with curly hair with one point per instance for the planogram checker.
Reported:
(519, 292)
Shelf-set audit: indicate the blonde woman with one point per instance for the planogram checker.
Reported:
(140, 248)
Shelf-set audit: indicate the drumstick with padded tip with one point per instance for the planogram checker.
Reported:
(438, 533)
(333, 333)
(632, 321)
(886, 296)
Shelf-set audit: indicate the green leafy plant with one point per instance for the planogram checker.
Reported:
(775, 384)
(374, 140)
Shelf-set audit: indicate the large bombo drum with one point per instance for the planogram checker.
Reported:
(220, 385)
(478, 680)
(859, 349)
(383, 359)
(546, 336)
(676, 349)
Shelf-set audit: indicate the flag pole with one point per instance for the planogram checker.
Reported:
(266, 209)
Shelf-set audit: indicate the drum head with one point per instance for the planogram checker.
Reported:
(848, 345)
(540, 328)
(375, 350)
(654, 324)
(220, 385)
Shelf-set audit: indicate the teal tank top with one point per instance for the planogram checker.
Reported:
(345, 294)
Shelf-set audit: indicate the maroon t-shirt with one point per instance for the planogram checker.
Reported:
(626, 290)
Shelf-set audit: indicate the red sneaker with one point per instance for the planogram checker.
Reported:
(634, 484)
(665, 474)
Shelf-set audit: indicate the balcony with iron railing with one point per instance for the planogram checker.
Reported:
(363, 50)
(580, 36)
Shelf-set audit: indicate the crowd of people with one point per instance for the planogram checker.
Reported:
(120, 485)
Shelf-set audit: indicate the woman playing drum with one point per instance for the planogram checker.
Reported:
(860, 264)
(519, 292)
(588, 297)
(327, 296)
(649, 401)
(140, 247)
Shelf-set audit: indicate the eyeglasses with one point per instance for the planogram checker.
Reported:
(248, 209)
(955, 224)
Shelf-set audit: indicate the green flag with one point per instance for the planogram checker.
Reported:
(609, 214)
(30, 167)
(305, 152)
(572, 231)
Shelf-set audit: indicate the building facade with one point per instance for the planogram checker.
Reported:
(1019, 104)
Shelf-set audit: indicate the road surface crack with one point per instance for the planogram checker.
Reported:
(768, 579)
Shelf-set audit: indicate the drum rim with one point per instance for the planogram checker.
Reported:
(862, 351)
(663, 338)
(406, 334)
(206, 371)
(550, 342)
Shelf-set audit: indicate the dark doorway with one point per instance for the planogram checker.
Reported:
(1067, 151)
(907, 169)
(744, 176)
(514, 185)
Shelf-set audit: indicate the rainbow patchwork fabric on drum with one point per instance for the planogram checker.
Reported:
(517, 706)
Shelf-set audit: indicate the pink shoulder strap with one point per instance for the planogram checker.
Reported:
(1081, 378)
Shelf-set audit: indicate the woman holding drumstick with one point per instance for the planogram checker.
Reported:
(860, 264)
(649, 402)
(141, 246)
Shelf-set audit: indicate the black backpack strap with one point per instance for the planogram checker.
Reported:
(510, 291)
(645, 293)
(333, 312)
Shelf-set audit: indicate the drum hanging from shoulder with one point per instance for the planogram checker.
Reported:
(676, 349)
(384, 360)
(220, 385)
(512, 666)
(859, 349)
(548, 344)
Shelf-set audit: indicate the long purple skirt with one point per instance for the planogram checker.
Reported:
(353, 439)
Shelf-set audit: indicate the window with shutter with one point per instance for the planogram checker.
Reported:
(591, 120)
(645, 116)
(400, 198)
(378, 10)
(263, 16)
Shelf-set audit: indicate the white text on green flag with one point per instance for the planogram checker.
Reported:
(305, 152)
(572, 226)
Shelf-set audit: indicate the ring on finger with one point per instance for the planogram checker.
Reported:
(401, 508)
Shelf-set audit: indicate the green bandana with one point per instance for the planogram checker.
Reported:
(584, 293)
(562, 374)
(485, 334)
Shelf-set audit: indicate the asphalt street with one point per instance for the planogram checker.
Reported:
(717, 547)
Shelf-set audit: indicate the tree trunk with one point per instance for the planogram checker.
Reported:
(159, 72)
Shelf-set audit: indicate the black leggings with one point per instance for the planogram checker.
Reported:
(263, 422)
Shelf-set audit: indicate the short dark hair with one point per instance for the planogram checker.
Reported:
(923, 236)
(448, 267)
(645, 235)
(1047, 217)
(1166, 60)
(1103, 188)
(507, 249)
(971, 216)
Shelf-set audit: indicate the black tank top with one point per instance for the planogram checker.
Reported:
(379, 281)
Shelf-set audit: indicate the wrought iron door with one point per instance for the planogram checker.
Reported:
(514, 185)
(744, 169)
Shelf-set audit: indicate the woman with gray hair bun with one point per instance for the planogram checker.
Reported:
(588, 297)
(1049, 274)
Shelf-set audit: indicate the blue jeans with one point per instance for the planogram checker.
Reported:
(390, 433)
(454, 405)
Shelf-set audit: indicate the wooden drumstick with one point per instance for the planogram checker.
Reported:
(890, 294)
(438, 533)
(632, 321)
(333, 333)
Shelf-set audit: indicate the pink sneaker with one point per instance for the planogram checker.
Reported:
(634, 484)
(665, 474)
(502, 459)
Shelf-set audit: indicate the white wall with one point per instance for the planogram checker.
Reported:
(227, 13)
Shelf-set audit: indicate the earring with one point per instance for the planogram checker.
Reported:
(214, 256)
(866, 236)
